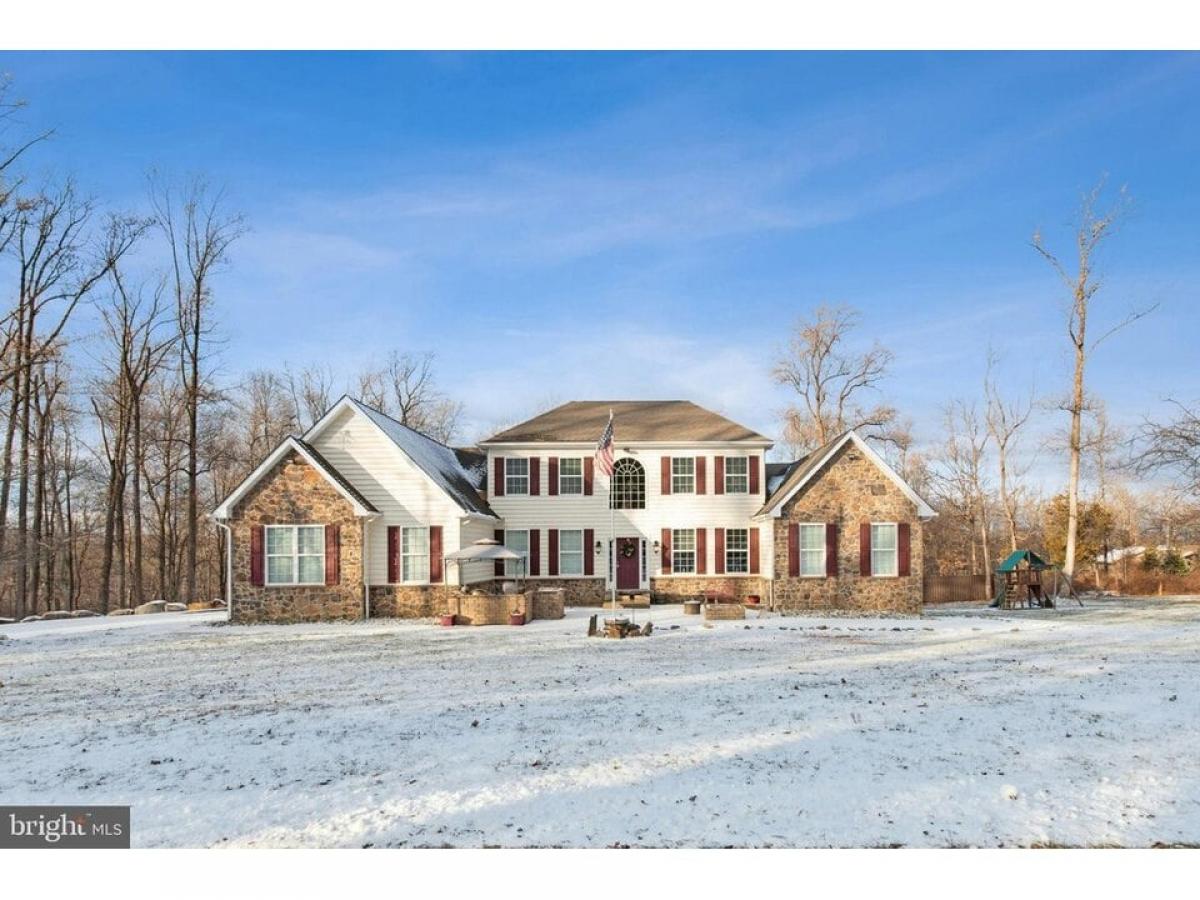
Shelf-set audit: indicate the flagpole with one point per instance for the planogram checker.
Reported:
(612, 527)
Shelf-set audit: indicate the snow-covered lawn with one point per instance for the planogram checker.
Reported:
(1071, 727)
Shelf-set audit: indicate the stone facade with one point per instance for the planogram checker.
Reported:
(680, 588)
(849, 490)
(411, 601)
(576, 591)
(294, 493)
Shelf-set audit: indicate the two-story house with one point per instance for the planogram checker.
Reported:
(359, 516)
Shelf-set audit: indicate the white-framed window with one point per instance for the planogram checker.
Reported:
(516, 539)
(570, 475)
(295, 554)
(683, 551)
(570, 552)
(737, 550)
(683, 475)
(812, 550)
(737, 475)
(414, 554)
(628, 487)
(516, 475)
(883, 549)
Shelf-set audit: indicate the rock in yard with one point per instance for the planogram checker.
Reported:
(56, 614)
(121, 612)
(32, 619)
(84, 613)
(154, 606)
(176, 607)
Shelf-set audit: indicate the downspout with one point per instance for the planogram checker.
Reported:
(365, 578)
(228, 568)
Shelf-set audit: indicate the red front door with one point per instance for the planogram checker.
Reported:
(628, 564)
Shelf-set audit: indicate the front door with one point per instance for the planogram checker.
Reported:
(628, 564)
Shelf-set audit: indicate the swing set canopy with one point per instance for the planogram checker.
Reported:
(1023, 556)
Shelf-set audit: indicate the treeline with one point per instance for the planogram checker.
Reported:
(976, 471)
(118, 436)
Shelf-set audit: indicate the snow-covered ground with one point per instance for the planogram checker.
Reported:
(1077, 727)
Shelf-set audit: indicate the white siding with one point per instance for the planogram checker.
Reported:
(401, 492)
(707, 510)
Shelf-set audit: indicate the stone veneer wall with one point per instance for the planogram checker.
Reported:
(679, 588)
(294, 493)
(576, 591)
(848, 491)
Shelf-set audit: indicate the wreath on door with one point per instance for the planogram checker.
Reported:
(628, 549)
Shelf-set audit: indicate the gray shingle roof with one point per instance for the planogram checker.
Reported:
(582, 421)
(435, 459)
(795, 472)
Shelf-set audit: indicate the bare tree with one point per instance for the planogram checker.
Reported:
(140, 333)
(1172, 447)
(958, 475)
(312, 393)
(405, 387)
(199, 233)
(266, 407)
(1005, 419)
(830, 381)
(1094, 226)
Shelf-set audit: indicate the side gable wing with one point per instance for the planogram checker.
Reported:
(805, 472)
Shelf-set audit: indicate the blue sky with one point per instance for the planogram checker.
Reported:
(648, 225)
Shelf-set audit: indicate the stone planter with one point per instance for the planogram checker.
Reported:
(724, 611)
(691, 607)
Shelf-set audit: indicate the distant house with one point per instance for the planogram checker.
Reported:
(1135, 553)
(357, 516)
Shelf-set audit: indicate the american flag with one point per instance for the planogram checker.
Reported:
(604, 449)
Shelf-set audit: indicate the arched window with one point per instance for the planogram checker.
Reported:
(628, 485)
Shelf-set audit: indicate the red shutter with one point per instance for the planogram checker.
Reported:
(753, 475)
(552, 540)
(699, 474)
(719, 551)
(904, 548)
(864, 548)
(498, 565)
(701, 551)
(256, 555)
(666, 551)
(435, 554)
(718, 474)
(665, 487)
(793, 550)
(498, 477)
(552, 487)
(589, 470)
(589, 555)
(535, 552)
(333, 554)
(831, 550)
(393, 554)
(535, 476)
(754, 567)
